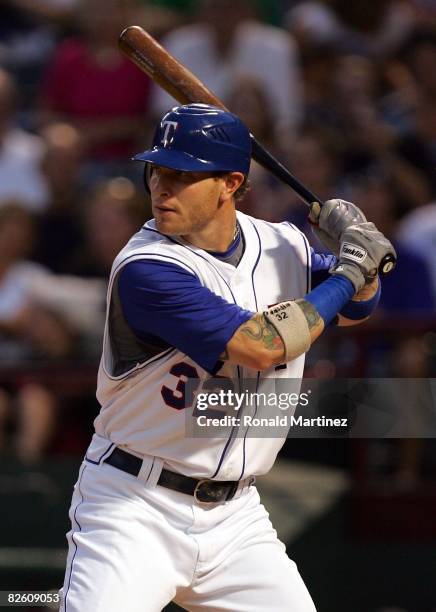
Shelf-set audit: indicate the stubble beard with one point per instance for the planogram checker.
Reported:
(186, 227)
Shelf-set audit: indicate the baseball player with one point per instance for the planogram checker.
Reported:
(157, 515)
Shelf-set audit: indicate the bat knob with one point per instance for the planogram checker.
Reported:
(387, 264)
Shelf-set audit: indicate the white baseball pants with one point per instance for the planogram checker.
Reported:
(135, 548)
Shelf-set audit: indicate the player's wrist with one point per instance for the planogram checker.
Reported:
(360, 309)
(351, 272)
(330, 296)
(368, 291)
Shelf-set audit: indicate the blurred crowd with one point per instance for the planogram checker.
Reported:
(344, 93)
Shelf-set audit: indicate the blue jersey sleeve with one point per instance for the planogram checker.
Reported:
(166, 300)
(320, 265)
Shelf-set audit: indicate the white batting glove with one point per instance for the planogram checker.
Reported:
(362, 249)
(332, 219)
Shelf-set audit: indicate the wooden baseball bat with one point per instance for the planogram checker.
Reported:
(144, 51)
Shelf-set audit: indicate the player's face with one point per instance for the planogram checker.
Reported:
(184, 203)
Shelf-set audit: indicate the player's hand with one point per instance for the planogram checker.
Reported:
(332, 219)
(362, 249)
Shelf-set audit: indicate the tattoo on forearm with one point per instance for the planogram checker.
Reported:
(258, 328)
(313, 317)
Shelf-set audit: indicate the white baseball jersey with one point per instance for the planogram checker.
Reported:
(140, 398)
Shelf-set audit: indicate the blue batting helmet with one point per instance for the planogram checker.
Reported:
(200, 138)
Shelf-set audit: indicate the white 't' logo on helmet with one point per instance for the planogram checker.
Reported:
(169, 127)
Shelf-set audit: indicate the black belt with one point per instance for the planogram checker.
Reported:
(204, 490)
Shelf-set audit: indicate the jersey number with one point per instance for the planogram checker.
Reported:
(182, 397)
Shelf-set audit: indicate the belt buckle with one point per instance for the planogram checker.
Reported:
(215, 493)
(218, 492)
(197, 491)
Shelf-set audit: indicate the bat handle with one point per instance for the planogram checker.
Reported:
(265, 159)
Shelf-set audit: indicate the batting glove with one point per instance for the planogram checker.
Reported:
(362, 249)
(332, 219)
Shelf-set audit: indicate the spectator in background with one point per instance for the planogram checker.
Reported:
(408, 290)
(268, 198)
(27, 330)
(316, 158)
(418, 138)
(91, 85)
(313, 24)
(38, 324)
(26, 42)
(159, 18)
(42, 316)
(418, 232)
(20, 153)
(58, 228)
(425, 12)
(182, 6)
(249, 100)
(56, 11)
(27, 421)
(412, 361)
(410, 75)
(368, 142)
(358, 120)
(373, 29)
(319, 67)
(113, 211)
(16, 237)
(226, 43)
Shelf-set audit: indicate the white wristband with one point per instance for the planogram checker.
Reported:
(291, 325)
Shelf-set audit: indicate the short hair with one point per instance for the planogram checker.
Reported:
(242, 190)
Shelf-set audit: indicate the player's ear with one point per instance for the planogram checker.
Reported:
(231, 183)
